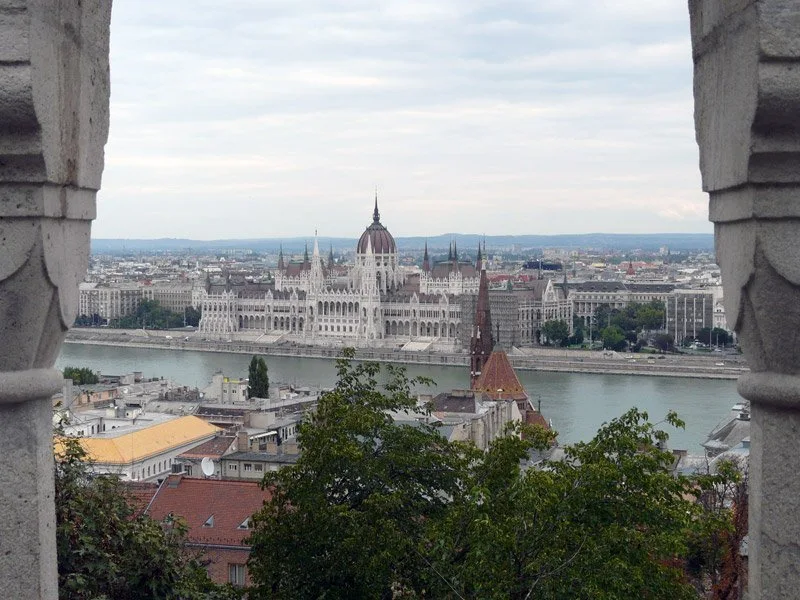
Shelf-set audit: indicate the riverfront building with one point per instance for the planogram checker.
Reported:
(375, 302)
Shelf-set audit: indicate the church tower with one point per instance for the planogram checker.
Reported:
(426, 261)
(482, 343)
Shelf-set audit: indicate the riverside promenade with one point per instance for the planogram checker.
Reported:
(708, 366)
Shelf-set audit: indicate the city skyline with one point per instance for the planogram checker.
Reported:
(250, 120)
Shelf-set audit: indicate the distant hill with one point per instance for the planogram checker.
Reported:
(607, 241)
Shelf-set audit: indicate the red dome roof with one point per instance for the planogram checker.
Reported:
(380, 239)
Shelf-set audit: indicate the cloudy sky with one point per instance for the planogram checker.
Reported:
(263, 118)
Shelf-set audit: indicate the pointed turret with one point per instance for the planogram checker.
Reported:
(281, 264)
(306, 262)
(482, 342)
(479, 260)
(376, 215)
(330, 258)
(426, 261)
(450, 252)
(455, 256)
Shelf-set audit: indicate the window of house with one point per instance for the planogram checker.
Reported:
(236, 574)
(259, 467)
(232, 466)
(188, 470)
(209, 522)
(248, 467)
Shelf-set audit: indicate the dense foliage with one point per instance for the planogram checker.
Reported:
(150, 315)
(555, 332)
(81, 375)
(257, 378)
(106, 551)
(379, 508)
(632, 321)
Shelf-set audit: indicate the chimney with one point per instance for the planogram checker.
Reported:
(243, 441)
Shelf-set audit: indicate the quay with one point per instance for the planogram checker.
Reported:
(711, 366)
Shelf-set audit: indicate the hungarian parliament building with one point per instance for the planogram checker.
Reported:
(375, 302)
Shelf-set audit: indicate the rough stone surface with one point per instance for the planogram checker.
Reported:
(747, 117)
(54, 93)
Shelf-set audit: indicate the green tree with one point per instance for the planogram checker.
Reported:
(556, 332)
(257, 378)
(105, 550)
(360, 498)
(380, 509)
(81, 375)
(664, 342)
(650, 316)
(192, 316)
(610, 521)
(613, 338)
(720, 337)
(151, 315)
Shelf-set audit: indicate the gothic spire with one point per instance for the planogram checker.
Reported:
(426, 263)
(479, 260)
(306, 262)
(376, 215)
(330, 258)
(482, 342)
(281, 265)
(450, 252)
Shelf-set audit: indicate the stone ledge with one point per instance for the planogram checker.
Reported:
(21, 386)
(47, 200)
(776, 389)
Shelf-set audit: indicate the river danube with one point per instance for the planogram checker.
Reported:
(576, 403)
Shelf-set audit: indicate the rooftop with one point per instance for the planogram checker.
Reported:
(138, 445)
(216, 511)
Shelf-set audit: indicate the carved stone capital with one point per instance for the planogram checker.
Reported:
(747, 104)
(54, 93)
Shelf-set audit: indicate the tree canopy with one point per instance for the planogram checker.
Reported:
(81, 375)
(381, 505)
(556, 332)
(150, 315)
(257, 378)
(105, 550)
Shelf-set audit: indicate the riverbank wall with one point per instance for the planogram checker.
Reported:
(528, 359)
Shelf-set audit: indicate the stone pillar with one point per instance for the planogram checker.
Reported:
(747, 116)
(54, 92)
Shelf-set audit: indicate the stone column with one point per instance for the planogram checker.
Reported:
(747, 116)
(54, 92)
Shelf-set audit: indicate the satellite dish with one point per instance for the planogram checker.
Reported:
(207, 466)
(124, 390)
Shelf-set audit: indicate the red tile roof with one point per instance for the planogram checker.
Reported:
(196, 500)
(214, 448)
(139, 494)
(498, 379)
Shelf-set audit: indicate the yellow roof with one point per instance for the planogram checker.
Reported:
(138, 445)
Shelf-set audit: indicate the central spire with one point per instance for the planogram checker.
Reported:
(376, 215)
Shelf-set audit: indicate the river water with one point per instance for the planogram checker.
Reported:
(576, 403)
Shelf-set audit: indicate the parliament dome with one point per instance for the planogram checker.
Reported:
(379, 237)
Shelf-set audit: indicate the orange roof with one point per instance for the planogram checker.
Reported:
(499, 380)
(144, 443)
